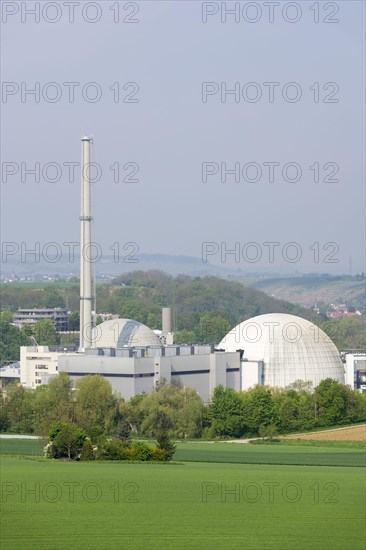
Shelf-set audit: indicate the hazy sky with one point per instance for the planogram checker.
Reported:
(167, 123)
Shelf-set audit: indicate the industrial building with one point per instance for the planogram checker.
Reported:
(39, 363)
(280, 349)
(132, 371)
(59, 317)
(355, 368)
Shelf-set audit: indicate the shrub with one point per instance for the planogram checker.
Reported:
(115, 450)
(159, 455)
(140, 451)
(268, 432)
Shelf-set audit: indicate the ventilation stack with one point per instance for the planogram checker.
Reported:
(166, 331)
(86, 295)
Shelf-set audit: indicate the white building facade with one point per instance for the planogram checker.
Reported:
(38, 364)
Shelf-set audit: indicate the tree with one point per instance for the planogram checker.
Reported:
(53, 402)
(68, 441)
(169, 407)
(226, 412)
(258, 408)
(190, 411)
(18, 409)
(95, 403)
(45, 333)
(52, 298)
(213, 327)
(11, 338)
(330, 402)
(302, 386)
(165, 443)
(6, 316)
(87, 451)
(74, 321)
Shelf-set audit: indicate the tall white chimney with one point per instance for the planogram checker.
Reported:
(86, 294)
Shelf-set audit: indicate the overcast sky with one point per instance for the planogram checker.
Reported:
(166, 123)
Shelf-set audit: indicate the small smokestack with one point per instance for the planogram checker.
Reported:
(166, 321)
(86, 296)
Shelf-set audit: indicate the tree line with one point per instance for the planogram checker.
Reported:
(176, 412)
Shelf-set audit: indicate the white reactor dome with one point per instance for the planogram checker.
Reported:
(291, 348)
(118, 333)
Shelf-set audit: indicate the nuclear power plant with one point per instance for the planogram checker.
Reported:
(273, 349)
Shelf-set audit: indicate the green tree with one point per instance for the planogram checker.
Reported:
(178, 410)
(68, 441)
(190, 412)
(96, 405)
(45, 333)
(165, 443)
(225, 412)
(87, 453)
(213, 327)
(53, 299)
(53, 402)
(18, 409)
(6, 316)
(11, 338)
(330, 402)
(74, 321)
(258, 408)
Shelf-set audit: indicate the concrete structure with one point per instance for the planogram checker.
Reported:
(166, 334)
(86, 295)
(279, 349)
(133, 370)
(59, 317)
(355, 369)
(39, 363)
(119, 333)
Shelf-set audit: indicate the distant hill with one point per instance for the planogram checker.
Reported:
(204, 308)
(307, 289)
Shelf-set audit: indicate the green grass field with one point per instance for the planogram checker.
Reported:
(210, 499)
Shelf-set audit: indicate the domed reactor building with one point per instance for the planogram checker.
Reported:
(119, 333)
(277, 349)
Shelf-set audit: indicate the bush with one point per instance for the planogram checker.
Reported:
(115, 450)
(140, 451)
(268, 432)
(159, 455)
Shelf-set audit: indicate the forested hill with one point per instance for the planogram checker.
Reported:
(204, 308)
